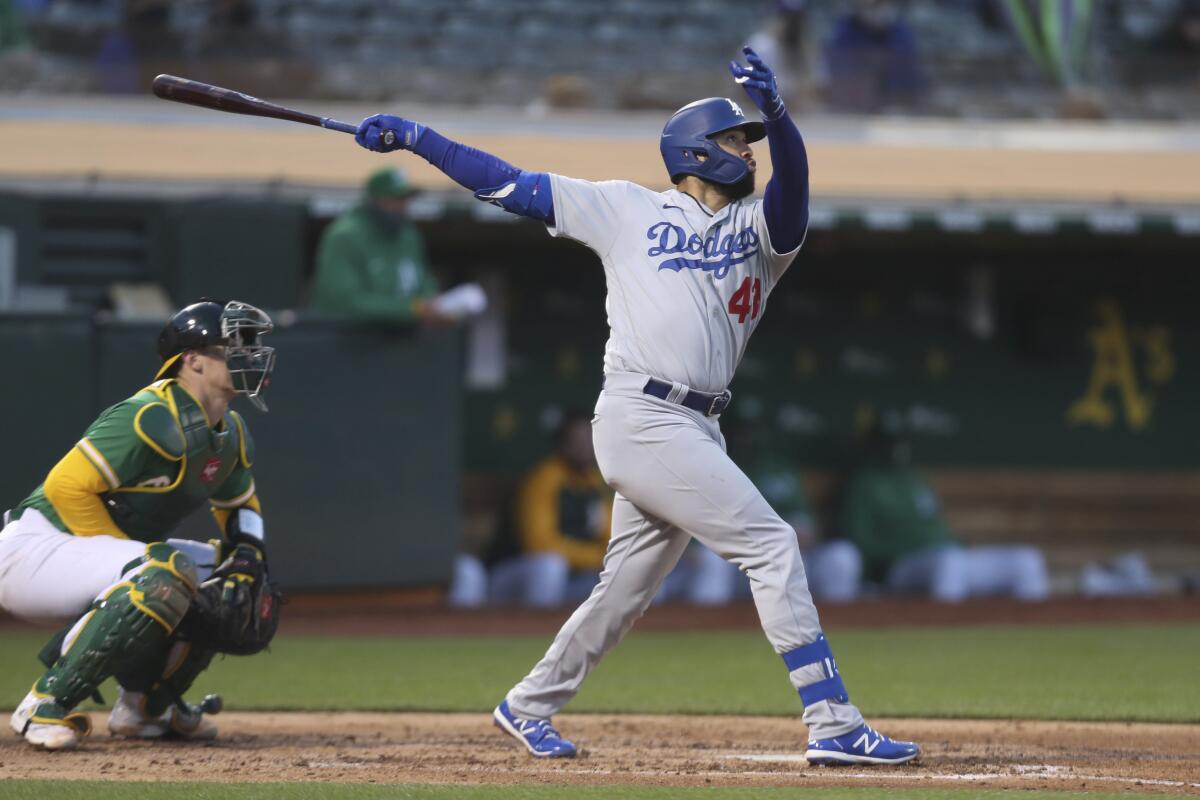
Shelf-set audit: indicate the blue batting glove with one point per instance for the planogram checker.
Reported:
(759, 82)
(372, 133)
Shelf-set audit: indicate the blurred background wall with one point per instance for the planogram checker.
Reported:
(1002, 258)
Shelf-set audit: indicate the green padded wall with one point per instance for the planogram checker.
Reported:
(234, 248)
(49, 396)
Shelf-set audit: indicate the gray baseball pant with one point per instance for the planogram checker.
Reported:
(674, 480)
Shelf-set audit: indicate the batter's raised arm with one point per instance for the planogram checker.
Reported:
(785, 201)
(490, 178)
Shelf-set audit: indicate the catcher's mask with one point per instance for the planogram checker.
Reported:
(236, 326)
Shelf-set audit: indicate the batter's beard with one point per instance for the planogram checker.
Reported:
(740, 190)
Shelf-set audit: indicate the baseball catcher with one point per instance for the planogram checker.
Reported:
(89, 545)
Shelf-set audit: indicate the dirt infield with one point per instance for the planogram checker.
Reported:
(656, 750)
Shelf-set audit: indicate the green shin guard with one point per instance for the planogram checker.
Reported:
(52, 651)
(132, 622)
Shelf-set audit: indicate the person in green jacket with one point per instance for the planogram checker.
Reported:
(371, 261)
(13, 35)
(892, 514)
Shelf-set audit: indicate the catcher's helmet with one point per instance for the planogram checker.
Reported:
(687, 133)
(190, 328)
(235, 326)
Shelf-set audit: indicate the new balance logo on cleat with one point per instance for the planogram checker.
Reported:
(865, 744)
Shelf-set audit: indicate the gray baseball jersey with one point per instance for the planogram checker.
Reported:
(686, 287)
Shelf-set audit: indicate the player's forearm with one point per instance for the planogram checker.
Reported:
(494, 180)
(223, 512)
(785, 204)
(242, 523)
(465, 165)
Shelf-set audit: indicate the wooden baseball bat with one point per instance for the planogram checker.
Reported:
(205, 95)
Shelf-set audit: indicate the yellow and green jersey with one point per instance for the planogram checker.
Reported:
(145, 464)
(560, 510)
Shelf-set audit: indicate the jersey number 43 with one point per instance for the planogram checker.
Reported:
(747, 300)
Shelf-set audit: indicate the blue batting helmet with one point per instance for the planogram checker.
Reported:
(687, 133)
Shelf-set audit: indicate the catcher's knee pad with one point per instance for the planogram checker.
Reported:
(829, 687)
(130, 622)
(164, 583)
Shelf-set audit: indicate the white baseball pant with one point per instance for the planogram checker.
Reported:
(48, 575)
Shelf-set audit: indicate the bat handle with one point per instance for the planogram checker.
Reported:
(335, 125)
(388, 137)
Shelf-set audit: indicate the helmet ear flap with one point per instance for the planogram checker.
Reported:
(692, 160)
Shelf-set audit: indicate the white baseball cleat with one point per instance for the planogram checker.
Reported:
(197, 727)
(45, 724)
(129, 720)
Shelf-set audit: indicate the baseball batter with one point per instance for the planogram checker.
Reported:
(689, 271)
(89, 545)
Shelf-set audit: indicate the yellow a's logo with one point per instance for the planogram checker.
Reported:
(1114, 346)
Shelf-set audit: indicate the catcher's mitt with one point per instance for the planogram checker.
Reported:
(236, 610)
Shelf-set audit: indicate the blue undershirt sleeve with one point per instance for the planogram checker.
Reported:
(785, 201)
(478, 171)
(467, 166)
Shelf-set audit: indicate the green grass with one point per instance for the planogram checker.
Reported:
(1085, 672)
(106, 790)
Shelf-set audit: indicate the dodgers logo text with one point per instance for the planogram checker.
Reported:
(717, 253)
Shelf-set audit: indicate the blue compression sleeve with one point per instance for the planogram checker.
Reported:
(477, 171)
(467, 166)
(785, 201)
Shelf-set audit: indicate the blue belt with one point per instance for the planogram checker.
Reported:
(708, 404)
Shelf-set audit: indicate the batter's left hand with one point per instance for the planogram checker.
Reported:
(759, 82)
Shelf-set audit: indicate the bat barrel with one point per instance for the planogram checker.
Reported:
(182, 90)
